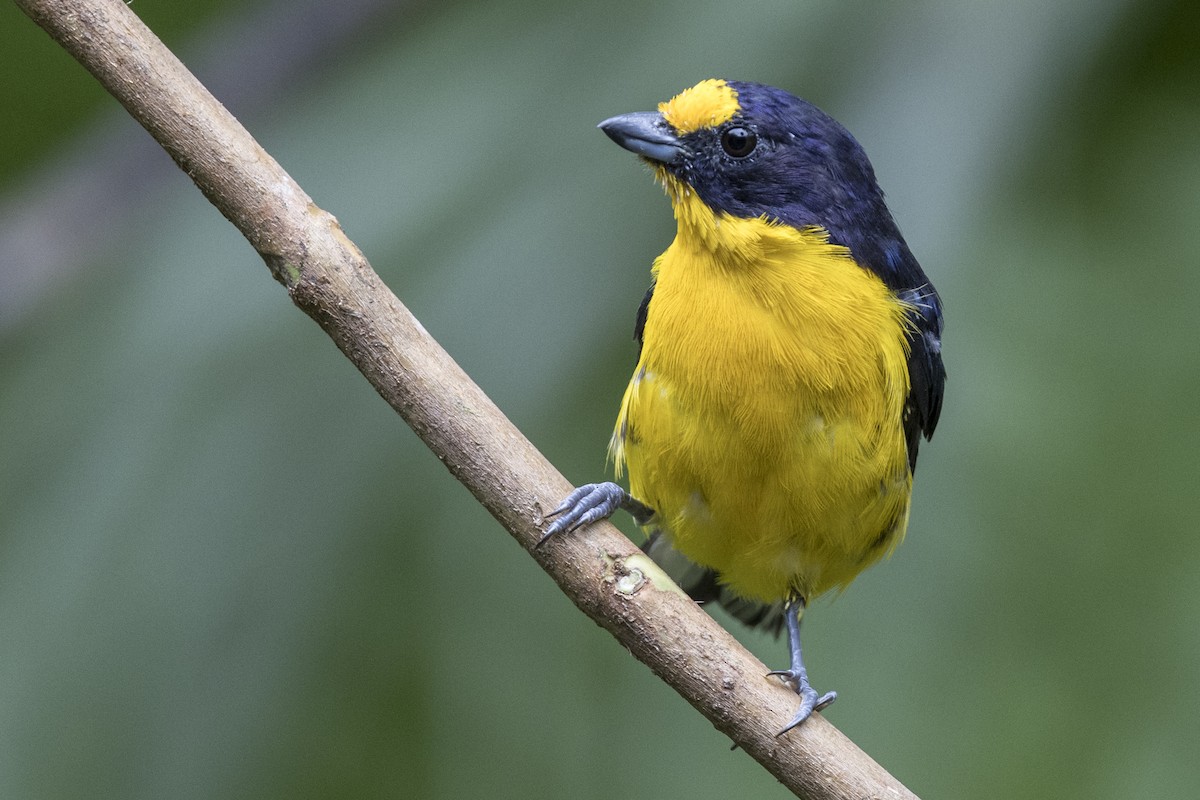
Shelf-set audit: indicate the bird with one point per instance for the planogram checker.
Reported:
(789, 363)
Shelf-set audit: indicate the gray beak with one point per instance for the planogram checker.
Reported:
(647, 134)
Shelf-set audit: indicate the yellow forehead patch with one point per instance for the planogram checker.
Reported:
(707, 104)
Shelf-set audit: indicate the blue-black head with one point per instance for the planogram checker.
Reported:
(751, 150)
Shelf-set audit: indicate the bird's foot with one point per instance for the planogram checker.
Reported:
(810, 701)
(589, 503)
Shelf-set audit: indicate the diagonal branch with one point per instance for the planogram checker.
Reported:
(331, 281)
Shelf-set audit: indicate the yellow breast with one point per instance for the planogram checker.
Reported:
(764, 420)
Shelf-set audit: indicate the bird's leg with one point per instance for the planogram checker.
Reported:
(796, 675)
(593, 502)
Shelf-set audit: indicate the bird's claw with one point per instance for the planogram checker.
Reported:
(589, 503)
(810, 701)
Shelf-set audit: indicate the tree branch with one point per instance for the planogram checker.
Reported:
(331, 281)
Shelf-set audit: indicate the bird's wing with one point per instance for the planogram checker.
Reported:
(926, 373)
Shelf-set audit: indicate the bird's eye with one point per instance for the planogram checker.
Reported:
(738, 142)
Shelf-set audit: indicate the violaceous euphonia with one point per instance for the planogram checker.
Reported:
(789, 364)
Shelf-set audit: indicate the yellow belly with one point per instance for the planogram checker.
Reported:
(764, 420)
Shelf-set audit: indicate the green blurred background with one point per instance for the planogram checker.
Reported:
(228, 570)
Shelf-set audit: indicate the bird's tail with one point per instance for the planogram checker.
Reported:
(701, 585)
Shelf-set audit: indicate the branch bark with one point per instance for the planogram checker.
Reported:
(330, 280)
